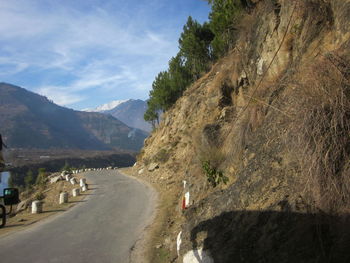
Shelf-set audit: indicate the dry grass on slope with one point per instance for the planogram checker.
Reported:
(322, 128)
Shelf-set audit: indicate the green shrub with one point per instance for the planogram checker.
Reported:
(41, 178)
(214, 176)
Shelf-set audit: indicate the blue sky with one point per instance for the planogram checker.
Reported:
(83, 53)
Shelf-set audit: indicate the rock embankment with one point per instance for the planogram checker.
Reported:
(272, 116)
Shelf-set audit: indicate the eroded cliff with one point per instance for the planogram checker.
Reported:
(274, 117)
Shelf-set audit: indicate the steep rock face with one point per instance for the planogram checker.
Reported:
(274, 117)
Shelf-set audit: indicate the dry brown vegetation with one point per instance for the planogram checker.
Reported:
(322, 129)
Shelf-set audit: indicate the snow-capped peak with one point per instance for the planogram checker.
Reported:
(107, 106)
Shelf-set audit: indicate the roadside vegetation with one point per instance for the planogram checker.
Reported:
(200, 45)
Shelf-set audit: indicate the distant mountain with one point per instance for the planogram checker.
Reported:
(106, 107)
(28, 120)
(129, 112)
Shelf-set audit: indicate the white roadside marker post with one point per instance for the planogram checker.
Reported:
(37, 207)
(63, 198)
(76, 192)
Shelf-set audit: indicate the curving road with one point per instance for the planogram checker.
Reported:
(102, 229)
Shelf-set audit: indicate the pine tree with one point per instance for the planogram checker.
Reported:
(223, 18)
(194, 44)
(28, 179)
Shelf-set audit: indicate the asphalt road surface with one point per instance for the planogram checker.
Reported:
(104, 228)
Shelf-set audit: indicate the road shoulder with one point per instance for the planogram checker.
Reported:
(142, 250)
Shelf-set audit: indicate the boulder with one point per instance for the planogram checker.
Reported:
(55, 179)
(153, 166)
(23, 205)
(198, 255)
(141, 171)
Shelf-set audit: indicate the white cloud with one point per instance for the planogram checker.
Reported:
(102, 47)
(60, 95)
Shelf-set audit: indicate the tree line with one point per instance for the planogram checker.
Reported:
(200, 45)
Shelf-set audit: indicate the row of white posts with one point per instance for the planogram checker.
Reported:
(37, 206)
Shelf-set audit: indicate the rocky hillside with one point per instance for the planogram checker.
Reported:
(29, 120)
(273, 117)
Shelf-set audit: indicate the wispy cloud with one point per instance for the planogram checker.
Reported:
(62, 95)
(120, 46)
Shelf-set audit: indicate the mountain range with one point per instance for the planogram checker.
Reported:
(106, 107)
(29, 120)
(129, 112)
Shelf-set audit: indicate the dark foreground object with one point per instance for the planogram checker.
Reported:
(271, 236)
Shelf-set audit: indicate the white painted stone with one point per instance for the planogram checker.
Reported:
(141, 171)
(82, 182)
(73, 181)
(153, 166)
(84, 188)
(76, 192)
(63, 197)
(68, 177)
(197, 256)
(187, 199)
(259, 67)
(178, 243)
(37, 207)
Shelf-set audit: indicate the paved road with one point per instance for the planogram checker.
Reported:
(101, 229)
